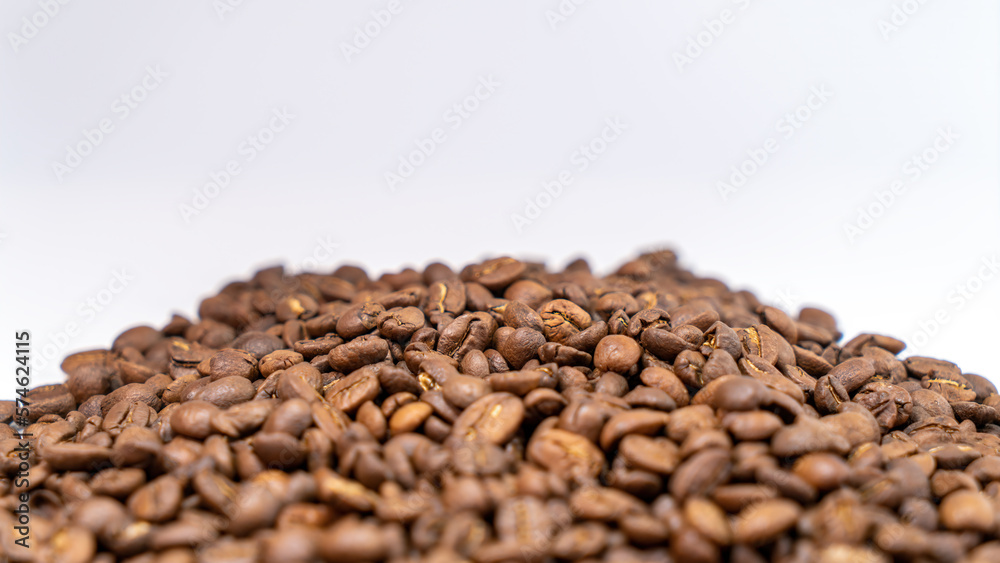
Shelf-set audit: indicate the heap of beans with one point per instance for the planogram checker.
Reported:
(505, 413)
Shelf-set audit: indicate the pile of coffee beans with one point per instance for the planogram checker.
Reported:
(505, 413)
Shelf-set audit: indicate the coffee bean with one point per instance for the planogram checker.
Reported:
(358, 353)
(507, 413)
(617, 353)
(351, 392)
(967, 510)
(570, 456)
(471, 331)
(359, 319)
(493, 418)
(131, 393)
(519, 346)
(563, 319)
(225, 392)
(158, 500)
(700, 473)
(232, 362)
(258, 344)
(765, 520)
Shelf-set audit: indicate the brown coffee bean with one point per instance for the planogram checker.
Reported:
(857, 344)
(664, 344)
(225, 392)
(617, 353)
(708, 519)
(471, 331)
(400, 323)
(359, 319)
(357, 353)
(636, 421)
(570, 456)
(950, 385)
(563, 319)
(317, 346)
(967, 510)
(157, 501)
(520, 346)
(462, 390)
(131, 393)
(658, 455)
(765, 521)
(231, 363)
(351, 392)
(259, 344)
(291, 417)
(753, 425)
(494, 418)
(700, 473)
(530, 292)
(447, 296)
(70, 456)
(279, 360)
(194, 419)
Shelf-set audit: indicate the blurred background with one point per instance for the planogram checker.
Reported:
(841, 155)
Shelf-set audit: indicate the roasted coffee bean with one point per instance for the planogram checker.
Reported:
(232, 362)
(563, 319)
(950, 385)
(259, 344)
(494, 418)
(359, 319)
(700, 473)
(666, 380)
(574, 417)
(664, 344)
(318, 346)
(520, 346)
(570, 456)
(49, 399)
(400, 323)
(157, 501)
(890, 404)
(617, 353)
(358, 353)
(279, 360)
(447, 296)
(131, 393)
(351, 392)
(471, 331)
(561, 355)
(764, 521)
(225, 392)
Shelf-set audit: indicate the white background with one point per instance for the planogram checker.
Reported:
(323, 178)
